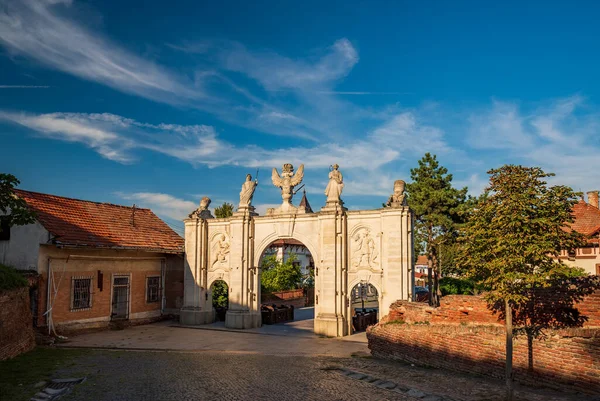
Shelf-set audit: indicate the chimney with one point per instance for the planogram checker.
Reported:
(593, 199)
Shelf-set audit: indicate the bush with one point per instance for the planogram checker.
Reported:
(456, 286)
(280, 276)
(220, 294)
(10, 278)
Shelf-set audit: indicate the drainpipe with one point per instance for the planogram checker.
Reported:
(163, 301)
(48, 286)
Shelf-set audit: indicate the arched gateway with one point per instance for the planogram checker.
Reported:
(348, 247)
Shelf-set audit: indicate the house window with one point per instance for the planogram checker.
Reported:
(81, 294)
(598, 269)
(4, 228)
(152, 289)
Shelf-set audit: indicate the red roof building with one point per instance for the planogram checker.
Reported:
(81, 223)
(97, 262)
(586, 221)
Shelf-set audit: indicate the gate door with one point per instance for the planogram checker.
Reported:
(120, 301)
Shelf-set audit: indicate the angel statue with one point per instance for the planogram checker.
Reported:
(335, 186)
(287, 182)
(247, 192)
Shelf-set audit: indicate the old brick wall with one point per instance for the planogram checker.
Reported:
(289, 298)
(462, 334)
(16, 323)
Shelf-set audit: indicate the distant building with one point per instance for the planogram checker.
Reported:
(97, 262)
(284, 248)
(587, 222)
(421, 269)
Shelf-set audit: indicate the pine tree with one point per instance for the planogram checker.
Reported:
(224, 211)
(437, 206)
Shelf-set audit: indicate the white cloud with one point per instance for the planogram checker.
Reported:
(275, 72)
(41, 31)
(161, 204)
(561, 137)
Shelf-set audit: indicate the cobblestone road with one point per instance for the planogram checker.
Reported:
(163, 362)
(140, 375)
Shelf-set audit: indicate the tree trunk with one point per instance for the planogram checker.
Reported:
(509, 351)
(429, 280)
(530, 351)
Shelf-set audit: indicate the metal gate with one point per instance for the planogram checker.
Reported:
(120, 299)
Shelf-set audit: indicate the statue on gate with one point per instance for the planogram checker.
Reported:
(398, 198)
(287, 181)
(335, 186)
(247, 192)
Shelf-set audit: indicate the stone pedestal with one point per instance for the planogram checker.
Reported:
(196, 316)
(330, 325)
(242, 319)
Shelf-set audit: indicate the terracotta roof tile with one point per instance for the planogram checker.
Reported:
(101, 225)
(422, 260)
(587, 218)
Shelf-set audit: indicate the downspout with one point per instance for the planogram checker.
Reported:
(48, 286)
(163, 274)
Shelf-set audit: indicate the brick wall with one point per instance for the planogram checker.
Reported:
(291, 297)
(462, 334)
(16, 325)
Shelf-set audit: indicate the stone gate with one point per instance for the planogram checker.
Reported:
(348, 247)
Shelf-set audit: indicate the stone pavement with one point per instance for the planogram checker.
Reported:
(164, 361)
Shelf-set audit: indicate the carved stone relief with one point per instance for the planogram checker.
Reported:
(220, 247)
(365, 251)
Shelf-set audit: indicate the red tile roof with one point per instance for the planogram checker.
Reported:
(587, 219)
(101, 225)
(422, 260)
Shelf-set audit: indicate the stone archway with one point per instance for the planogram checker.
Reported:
(346, 246)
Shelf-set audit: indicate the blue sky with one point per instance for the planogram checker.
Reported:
(139, 102)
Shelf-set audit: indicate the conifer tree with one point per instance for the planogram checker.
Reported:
(437, 206)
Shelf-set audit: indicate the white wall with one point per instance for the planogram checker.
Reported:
(21, 251)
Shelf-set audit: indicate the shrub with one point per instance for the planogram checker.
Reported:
(10, 278)
(456, 286)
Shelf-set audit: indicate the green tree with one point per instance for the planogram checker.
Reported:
(220, 294)
(13, 208)
(510, 247)
(438, 208)
(280, 275)
(224, 211)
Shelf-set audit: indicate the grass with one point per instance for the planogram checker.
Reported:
(10, 278)
(19, 375)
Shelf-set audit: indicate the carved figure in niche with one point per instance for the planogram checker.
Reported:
(335, 185)
(364, 250)
(287, 181)
(220, 249)
(247, 192)
(202, 210)
(398, 198)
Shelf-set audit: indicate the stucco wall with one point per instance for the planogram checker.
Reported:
(68, 263)
(586, 258)
(21, 251)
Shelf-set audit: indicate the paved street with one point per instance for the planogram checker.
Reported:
(164, 361)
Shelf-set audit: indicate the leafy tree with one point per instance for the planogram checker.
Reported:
(224, 211)
(280, 275)
(456, 286)
(510, 246)
(220, 294)
(12, 208)
(438, 208)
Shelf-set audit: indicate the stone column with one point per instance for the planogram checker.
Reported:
(197, 309)
(243, 312)
(331, 282)
(398, 275)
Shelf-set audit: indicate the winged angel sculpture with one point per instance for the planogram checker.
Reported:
(287, 181)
